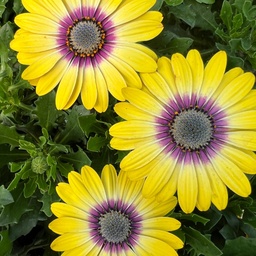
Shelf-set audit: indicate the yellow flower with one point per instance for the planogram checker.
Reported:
(86, 47)
(109, 216)
(191, 129)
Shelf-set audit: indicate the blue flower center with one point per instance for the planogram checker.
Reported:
(192, 129)
(85, 37)
(115, 227)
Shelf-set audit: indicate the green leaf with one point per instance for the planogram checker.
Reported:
(46, 111)
(206, 1)
(226, 14)
(17, 6)
(12, 212)
(5, 196)
(30, 187)
(157, 5)
(8, 156)
(47, 200)
(89, 124)
(174, 2)
(72, 131)
(9, 135)
(232, 219)
(240, 246)
(64, 168)
(227, 232)
(200, 243)
(191, 216)
(27, 221)
(96, 143)
(42, 184)
(77, 159)
(179, 45)
(249, 230)
(237, 21)
(25, 168)
(121, 155)
(5, 243)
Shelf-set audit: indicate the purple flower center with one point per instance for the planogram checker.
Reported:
(115, 226)
(192, 129)
(85, 37)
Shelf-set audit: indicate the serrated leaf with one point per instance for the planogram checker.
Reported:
(46, 111)
(192, 217)
(89, 124)
(6, 31)
(16, 166)
(47, 200)
(25, 168)
(5, 196)
(12, 212)
(240, 246)
(2, 7)
(30, 187)
(200, 243)
(77, 159)
(73, 131)
(237, 22)
(56, 147)
(27, 221)
(64, 168)
(174, 2)
(226, 14)
(42, 184)
(96, 143)
(5, 243)
(9, 156)
(9, 135)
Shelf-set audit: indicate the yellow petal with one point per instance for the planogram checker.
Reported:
(129, 10)
(247, 103)
(114, 80)
(109, 181)
(243, 139)
(151, 15)
(67, 84)
(138, 31)
(36, 6)
(136, 58)
(77, 87)
(38, 24)
(89, 90)
(244, 159)
(130, 112)
(41, 66)
(232, 176)
(213, 74)
(101, 104)
(164, 236)
(28, 42)
(158, 86)
(48, 81)
(183, 77)
(242, 120)
(161, 223)
(128, 73)
(187, 185)
(143, 101)
(68, 224)
(66, 210)
(219, 190)
(156, 246)
(93, 184)
(236, 90)
(132, 129)
(107, 7)
(197, 68)
(70, 241)
(85, 249)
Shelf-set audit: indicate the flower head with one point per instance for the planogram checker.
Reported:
(109, 216)
(86, 47)
(191, 129)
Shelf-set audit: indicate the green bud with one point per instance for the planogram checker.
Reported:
(39, 165)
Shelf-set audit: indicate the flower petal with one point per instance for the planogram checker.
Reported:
(161, 223)
(243, 139)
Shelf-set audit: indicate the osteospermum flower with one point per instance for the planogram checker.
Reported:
(192, 130)
(86, 46)
(109, 216)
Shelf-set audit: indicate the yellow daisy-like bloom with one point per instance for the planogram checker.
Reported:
(192, 130)
(86, 46)
(110, 217)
